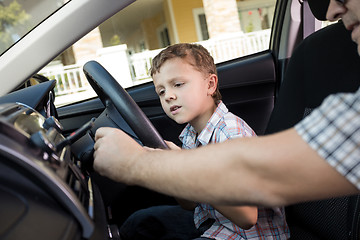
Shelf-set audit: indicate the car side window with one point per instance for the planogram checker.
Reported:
(126, 43)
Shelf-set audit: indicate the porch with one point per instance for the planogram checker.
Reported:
(133, 69)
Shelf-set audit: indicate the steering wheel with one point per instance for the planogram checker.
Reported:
(111, 92)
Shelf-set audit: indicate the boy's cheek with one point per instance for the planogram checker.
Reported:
(166, 109)
(163, 105)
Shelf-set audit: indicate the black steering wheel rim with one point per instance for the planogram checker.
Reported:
(110, 91)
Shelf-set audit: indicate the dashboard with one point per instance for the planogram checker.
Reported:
(48, 189)
(45, 191)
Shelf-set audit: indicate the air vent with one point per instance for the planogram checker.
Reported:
(78, 186)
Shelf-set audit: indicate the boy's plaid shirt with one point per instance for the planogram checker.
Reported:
(271, 224)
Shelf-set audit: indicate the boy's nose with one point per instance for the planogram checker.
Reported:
(335, 10)
(170, 96)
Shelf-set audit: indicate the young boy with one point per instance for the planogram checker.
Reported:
(186, 81)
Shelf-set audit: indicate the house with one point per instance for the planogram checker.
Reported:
(154, 24)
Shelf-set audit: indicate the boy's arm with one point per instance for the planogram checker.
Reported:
(245, 217)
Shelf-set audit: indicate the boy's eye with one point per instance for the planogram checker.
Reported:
(178, 84)
(161, 92)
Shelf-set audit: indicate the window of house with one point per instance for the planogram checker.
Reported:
(142, 46)
(203, 27)
(256, 17)
(200, 24)
(163, 36)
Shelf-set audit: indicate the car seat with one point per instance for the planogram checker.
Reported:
(326, 62)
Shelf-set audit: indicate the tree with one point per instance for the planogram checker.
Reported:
(11, 17)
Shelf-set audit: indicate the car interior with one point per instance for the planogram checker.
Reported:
(301, 92)
(48, 189)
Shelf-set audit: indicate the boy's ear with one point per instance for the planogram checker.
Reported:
(212, 84)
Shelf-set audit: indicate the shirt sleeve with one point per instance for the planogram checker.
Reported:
(333, 131)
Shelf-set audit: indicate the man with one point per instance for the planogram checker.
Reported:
(316, 159)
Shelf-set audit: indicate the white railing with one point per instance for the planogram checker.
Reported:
(140, 64)
(70, 79)
(237, 45)
(222, 49)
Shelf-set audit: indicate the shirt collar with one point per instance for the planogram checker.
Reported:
(188, 135)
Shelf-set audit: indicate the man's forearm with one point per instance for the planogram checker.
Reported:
(217, 173)
(271, 171)
(244, 171)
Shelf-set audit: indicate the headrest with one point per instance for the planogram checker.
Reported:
(319, 8)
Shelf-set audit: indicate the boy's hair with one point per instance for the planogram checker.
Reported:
(200, 56)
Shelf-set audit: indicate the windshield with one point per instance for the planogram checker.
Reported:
(18, 17)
